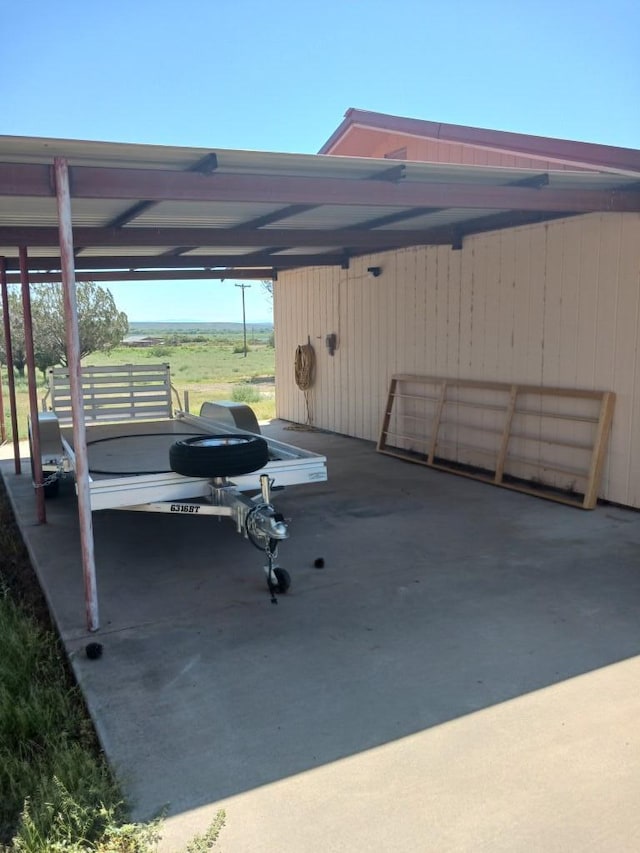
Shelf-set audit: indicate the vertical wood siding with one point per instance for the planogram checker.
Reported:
(375, 143)
(553, 304)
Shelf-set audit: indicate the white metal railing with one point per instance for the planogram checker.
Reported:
(114, 393)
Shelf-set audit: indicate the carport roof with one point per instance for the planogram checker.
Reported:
(147, 211)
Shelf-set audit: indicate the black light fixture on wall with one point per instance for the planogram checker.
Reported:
(374, 272)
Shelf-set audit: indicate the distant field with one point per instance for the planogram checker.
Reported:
(194, 328)
(209, 365)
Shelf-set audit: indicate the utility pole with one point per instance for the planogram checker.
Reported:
(244, 321)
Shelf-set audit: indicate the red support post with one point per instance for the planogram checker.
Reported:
(3, 431)
(36, 458)
(63, 199)
(10, 374)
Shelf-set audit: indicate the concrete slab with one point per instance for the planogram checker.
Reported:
(462, 674)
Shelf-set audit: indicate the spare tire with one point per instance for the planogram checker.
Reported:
(218, 455)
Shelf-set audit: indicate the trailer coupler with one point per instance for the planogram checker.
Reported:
(256, 518)
(265, 528)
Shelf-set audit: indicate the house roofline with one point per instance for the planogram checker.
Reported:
(588, 154)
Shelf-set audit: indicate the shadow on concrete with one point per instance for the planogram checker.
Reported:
(439, 597)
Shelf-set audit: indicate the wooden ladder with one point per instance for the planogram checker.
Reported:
(561, 433)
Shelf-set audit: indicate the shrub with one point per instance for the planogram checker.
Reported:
(245, 394)
(160, 351)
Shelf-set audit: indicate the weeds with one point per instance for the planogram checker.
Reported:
(57, 792)
(47, 743)
(208, 838)
(245, 394)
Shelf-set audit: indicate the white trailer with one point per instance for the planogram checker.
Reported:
(145, 456)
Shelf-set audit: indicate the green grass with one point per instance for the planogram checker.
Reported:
(211, 362)
(205, 365)
(57, 792)
(48, 749)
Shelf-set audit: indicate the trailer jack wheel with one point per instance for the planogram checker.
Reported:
(283, 579)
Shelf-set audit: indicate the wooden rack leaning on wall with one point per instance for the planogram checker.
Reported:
(544, 441)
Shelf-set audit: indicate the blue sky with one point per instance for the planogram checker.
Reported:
(279, 76)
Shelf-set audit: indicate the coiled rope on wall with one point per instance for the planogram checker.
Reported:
(304, 368)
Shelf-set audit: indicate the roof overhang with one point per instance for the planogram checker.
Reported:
(140, 210)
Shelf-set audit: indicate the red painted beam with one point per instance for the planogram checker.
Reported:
(224, 237)
(26, 179)
(163, 185)
(149, 275)
(185, 186)
(178, 262)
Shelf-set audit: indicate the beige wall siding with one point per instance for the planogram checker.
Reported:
(553, 304)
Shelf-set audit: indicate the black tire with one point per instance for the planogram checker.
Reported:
(283, 580)
(218, 455)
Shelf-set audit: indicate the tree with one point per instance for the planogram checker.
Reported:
(101, 326)
(17, 333)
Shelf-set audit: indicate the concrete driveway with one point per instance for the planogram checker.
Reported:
(462, 675)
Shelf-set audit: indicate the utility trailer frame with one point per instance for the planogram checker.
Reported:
(129, 458)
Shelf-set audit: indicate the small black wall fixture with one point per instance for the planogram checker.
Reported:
(331, 342)
(374, 272)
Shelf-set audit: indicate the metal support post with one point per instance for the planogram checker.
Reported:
(3, 432)
(63, 198)
(10, 375)
(36, 458)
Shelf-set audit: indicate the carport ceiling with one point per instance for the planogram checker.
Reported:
(142, 211)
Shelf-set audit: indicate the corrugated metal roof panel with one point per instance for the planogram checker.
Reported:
(224, 250)
(334, 216)
(22, 210)
(121, 251)
(589, 180)
(200, 214)
(33, 211)
(447, 216)
(39, 252)
(310, 250)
